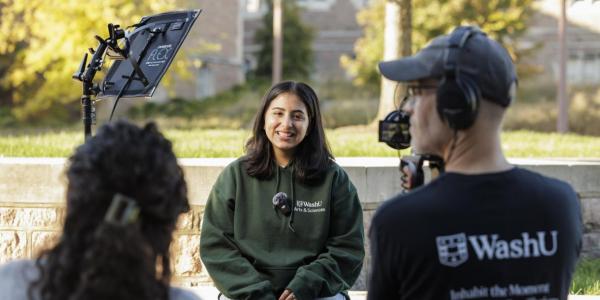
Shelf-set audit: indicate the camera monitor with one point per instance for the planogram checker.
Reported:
(394, 130)
(146, 54)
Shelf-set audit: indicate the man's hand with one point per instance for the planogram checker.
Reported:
(411, 167)
(412, 172)
(406, 178)
(287, 295)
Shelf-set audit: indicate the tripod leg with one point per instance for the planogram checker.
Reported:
(86, 113)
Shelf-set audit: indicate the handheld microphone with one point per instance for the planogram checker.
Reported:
(416, 176)
(282, 203)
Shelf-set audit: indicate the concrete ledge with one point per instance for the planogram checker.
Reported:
(34, 180)
(378, 178)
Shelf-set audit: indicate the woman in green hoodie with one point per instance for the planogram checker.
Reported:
(284, 221)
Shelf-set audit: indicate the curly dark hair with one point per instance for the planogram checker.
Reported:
(312, 157)
(99, 260)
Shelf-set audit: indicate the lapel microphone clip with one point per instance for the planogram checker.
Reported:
(282, 203)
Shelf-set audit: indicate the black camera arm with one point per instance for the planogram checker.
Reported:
(86, 73)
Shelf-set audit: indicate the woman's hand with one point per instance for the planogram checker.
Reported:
(287, 295)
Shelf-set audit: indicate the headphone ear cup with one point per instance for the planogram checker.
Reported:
(457, 101)
(472, 98)
(449, 95)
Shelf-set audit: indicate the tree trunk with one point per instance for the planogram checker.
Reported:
(406, 27)
(562, 122)
(277, 41)
(397, 42)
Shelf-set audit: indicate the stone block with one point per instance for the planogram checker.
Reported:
(591, 245)
(382, 184)
(590, 210)
(191, 220)
(13, 245)
(200, 175)
(358, 176)
(186, 221)
(185, 253)
(27, 217)
(583, 176)
(43, 240)
(361, 282)
(194, 282)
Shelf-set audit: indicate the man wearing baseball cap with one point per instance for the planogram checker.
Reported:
(484, 228)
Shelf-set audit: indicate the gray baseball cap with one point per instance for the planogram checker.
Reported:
(482, 59)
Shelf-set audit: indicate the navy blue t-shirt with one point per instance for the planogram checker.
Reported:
(508, 235)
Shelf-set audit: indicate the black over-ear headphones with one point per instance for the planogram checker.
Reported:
(458, 95)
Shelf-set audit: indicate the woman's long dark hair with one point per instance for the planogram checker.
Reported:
(99, 260)
(312, 158)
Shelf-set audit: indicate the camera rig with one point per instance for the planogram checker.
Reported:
(149, 50)
(394, 132)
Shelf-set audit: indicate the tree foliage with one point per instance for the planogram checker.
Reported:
(297, 61)
(369, 48)
(42, 43)
(503, 20)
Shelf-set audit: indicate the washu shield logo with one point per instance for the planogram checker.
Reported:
(452, 249)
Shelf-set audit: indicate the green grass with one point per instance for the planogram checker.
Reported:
(344, 141)
(586, 280)
(534, 144)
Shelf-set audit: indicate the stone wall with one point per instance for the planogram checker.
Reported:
(27, 228)
(32, 204)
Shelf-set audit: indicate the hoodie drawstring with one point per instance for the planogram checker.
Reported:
(276, 186)
(291, 221)
(292, 199)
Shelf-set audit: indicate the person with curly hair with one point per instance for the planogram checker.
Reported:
(284, 221)
(125, 192)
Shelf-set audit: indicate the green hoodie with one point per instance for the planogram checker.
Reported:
(253, 251)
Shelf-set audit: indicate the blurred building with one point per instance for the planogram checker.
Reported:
(223, 48)
(214, 49)
(336, 30)
(583, 40)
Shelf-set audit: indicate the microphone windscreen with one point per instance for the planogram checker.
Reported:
(280, 198)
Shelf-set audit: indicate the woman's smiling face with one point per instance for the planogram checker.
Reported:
(286, 124)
